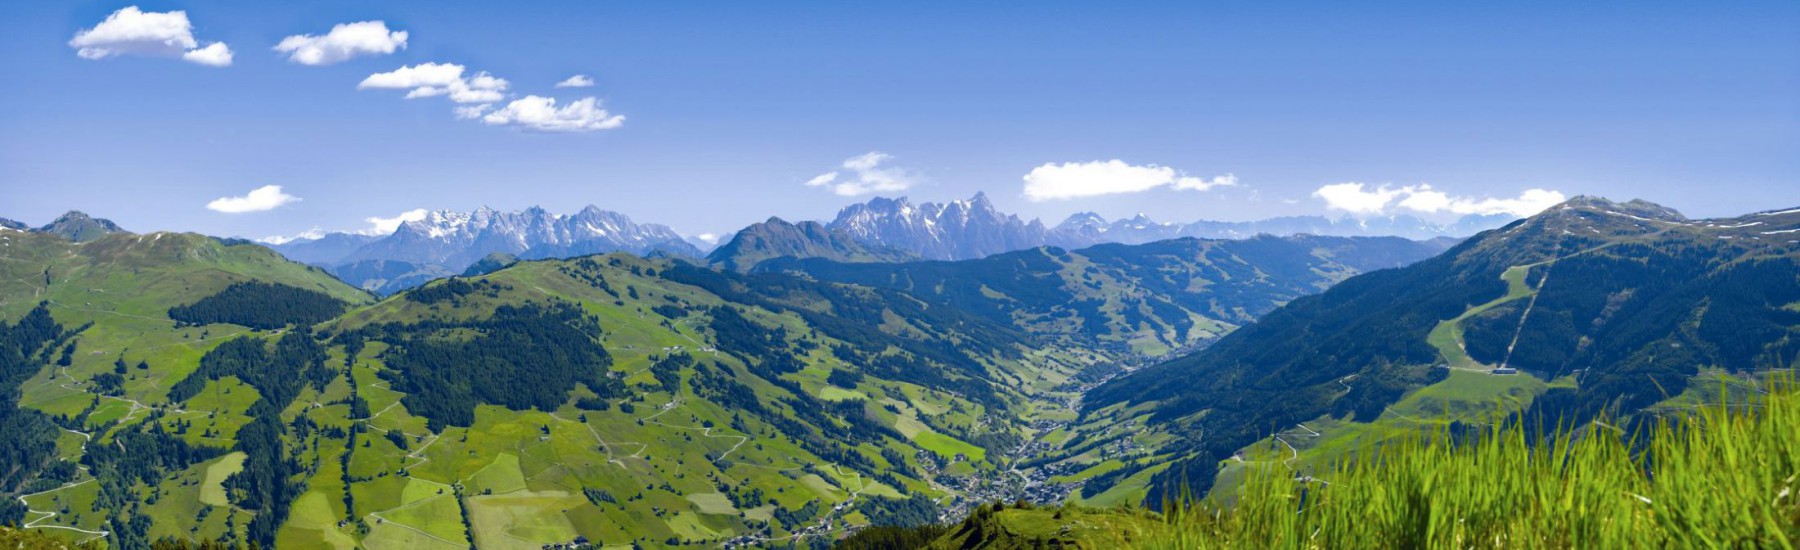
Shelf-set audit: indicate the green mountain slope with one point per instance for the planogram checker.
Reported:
(113, 358)
(1604, 306)
(716, 407)
(608, 399)
(1508, 485)
(1138, 299)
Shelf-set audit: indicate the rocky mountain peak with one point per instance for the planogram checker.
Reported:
(77, 226)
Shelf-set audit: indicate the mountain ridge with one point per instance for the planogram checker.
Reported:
(447, 242)
(973, 228)
(777, 238)
(1632, 296)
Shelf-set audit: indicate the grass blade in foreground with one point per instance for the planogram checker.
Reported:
(1726, 476)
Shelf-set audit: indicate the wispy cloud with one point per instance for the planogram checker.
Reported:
(1070, 180)
(267, 197)
(378, 226)
(1362, 199)
(577, 81)
(384, 226)
(479, 98)
(869, 172)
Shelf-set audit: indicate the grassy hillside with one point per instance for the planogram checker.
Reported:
(606, 399)
(108, 372)
(1711, 476)
(1610, 308)
(713, 421)
(1146, 299)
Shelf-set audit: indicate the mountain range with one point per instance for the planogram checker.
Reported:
(887, 230)
(1088, 228)
(973, 228)
(445, 243)
(183, 387)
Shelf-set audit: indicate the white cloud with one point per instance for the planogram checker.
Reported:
(541, 114)
(1351, 197)
(1087, 179)
(478, 94)
(385, 226)
(864, 174)
(307, 235)
(1361, 199)
(345, 41)
(708, 238)
(213, 55)
(475, 94)
(159, 34)
(1191, 183)
(425, 75)
(577, 81)
(267, 197)
(481, 88)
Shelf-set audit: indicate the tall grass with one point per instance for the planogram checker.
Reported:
(1720, 477)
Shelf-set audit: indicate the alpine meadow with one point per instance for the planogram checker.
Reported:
(624, 275)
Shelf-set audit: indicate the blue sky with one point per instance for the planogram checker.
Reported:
(1231, 111)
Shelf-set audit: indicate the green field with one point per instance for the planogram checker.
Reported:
(1447, 336)
(312, 524)
(523, 519)
(212, 490)
(949, 447)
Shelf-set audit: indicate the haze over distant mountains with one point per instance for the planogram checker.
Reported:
(973, 228)
(883, 229)
(446, 242)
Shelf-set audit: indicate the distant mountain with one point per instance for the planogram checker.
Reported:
(1088, 228)
(1619, 304)
(13, 225)
(384, 277)
(1139, 299)
(958, 230)
(79, 227)
(327, 249)
(703, 245)
(973, 228)
(776, 238)
(447, 242)
(460, 238)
